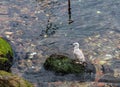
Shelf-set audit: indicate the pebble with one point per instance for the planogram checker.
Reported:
(98, 61)
(101, 62)
(99, 84)
(45, 36)
(7, 36)
(3, 10)
(8, 33)
(98, 12)
(31, 55)
(117, 72)
(32, 67)
(108, 57)
(47, 15)
(25, 10)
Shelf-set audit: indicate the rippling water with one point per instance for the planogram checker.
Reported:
(42, 26)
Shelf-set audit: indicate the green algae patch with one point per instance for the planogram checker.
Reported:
(6, 55)
(5, 48)
(10, 80)
(3, 60)
(62, 64)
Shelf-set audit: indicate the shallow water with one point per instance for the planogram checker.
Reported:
(43, 27)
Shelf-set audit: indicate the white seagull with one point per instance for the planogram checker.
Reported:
(78, 53)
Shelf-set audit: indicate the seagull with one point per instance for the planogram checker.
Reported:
(78, 53)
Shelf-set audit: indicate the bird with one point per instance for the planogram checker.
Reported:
(78, 53)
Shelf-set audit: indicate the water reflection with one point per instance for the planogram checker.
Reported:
(50, 29)
(69, 12)
(55, 18)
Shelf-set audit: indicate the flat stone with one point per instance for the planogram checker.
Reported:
(117, 72)
(3, 10)
(8, 33)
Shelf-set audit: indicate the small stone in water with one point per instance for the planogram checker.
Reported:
(33, 53)
(7, 36)
(29, 61)
(32, 67)
(108, 57)
(97, 36)
(8, 33)
(98, 12)
(30, 55)
(45, 35)
(117, 72)
(102, 62)
(38, 12)
(47, 15)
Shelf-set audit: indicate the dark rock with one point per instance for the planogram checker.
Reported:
(14, 24)
(90, 68)
(63, 65)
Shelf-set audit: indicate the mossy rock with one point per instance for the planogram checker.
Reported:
(10, 80)
(6, 55)
(64, 65)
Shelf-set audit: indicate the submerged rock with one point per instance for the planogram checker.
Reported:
(10, 80)
(6, 55)
(64, 65)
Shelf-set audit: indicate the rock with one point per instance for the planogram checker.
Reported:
(30, 55)
(8, 33)
(6, 55)
(90, 68)
(116, 72)
(62, 64)
(3, 10)
(10, 80)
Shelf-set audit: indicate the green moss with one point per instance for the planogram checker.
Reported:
(5, 48)
(62, 64)
(3, 60)
(10, 80)
(6, 55)
(3, 73)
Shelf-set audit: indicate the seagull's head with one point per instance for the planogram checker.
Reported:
(76, 45)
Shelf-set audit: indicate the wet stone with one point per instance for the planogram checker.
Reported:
(3, 10)
(8, 33)
(14, 23)
(117, 73)
(62, 64)
(24, 10)
(30, 55)
(25, 16)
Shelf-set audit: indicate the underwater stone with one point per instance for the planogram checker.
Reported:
(116, 72)
(6, 55)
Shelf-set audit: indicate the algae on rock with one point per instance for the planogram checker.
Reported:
(10, 80)
(64, 65)
(6, 55)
